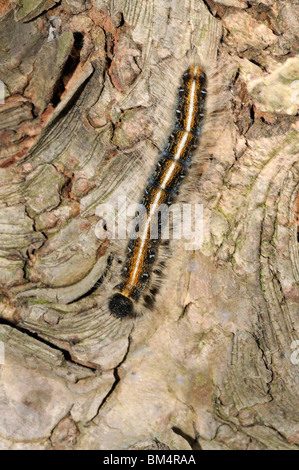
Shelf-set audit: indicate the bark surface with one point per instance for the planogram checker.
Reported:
(87, 97)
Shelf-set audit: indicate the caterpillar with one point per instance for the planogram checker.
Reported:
(162, 188)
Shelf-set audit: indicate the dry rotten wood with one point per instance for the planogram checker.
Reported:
(89, 90)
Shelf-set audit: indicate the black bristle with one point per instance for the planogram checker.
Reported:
(121, 306)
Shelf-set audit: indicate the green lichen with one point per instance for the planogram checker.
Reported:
(29, 9)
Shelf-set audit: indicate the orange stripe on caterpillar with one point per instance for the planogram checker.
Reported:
(162, 188)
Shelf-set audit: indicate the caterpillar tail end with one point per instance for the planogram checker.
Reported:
(121, 306)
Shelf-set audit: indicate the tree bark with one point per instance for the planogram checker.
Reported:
(88, 92)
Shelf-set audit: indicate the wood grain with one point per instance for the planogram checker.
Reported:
(89, 100)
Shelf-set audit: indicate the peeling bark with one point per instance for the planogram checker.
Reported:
(89, 90)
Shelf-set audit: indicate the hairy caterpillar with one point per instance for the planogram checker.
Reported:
(162, 188)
